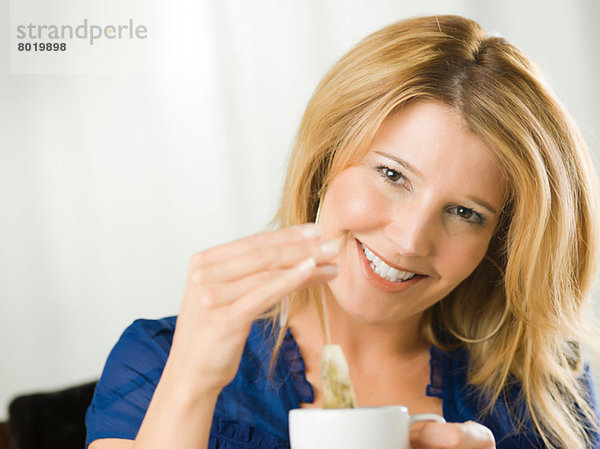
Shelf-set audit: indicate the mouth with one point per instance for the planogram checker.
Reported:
(383, 273)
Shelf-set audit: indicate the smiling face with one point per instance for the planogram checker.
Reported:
(418, 213)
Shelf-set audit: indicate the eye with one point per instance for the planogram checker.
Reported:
(392, 176)
(469, 215)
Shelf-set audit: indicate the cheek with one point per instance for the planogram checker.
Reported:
(352, 202)
(461, 259)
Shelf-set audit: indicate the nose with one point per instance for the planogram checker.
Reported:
(411, 229)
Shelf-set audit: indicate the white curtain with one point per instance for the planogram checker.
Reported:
(109, 183)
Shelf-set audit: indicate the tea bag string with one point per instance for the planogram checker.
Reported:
(335, 376)
(325, 316)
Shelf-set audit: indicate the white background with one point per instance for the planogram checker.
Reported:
(109, 183)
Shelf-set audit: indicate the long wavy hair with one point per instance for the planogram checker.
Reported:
(521, 313)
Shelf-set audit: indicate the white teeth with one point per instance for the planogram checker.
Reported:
(393, 273)
(384, 270)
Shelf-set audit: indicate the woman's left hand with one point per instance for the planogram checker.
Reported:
(467, 435)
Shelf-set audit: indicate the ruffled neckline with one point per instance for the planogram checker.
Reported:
(436, 372)
(296, 368)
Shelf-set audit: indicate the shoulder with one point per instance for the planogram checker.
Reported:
(462, 401)
(143, 347)
(160, 330)
(508, 417)
(129, 378)
(251, 410)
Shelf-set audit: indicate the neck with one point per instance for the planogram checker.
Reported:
(374, 343)
(364, 344)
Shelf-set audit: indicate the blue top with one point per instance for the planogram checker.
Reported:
(252, 411)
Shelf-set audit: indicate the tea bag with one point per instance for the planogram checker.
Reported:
(335, 375)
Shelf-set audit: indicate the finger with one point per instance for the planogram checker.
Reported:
(467, 435)
(267, 258)
(414, 438)
(237, 289)
(298, 233)
(267, 295)
(477, 436)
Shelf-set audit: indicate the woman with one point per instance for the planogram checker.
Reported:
(456, 245)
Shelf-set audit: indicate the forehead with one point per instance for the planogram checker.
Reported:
(434, 140)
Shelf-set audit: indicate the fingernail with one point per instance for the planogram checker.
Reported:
(307, 265)
(329, 270)
(309, 230)
(330, 247)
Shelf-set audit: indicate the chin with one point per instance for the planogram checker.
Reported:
(369, 314)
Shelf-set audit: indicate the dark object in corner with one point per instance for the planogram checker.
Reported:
(4, 439)
(52, 420)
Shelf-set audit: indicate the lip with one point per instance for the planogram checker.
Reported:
(387, 262)
(379, 282)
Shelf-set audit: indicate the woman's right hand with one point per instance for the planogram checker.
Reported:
(229, 286)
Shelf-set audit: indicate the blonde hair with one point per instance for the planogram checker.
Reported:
(541, 262)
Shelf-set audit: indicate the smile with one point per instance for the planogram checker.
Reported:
(383, 270)
(382, 275)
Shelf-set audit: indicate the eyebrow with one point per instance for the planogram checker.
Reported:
(412, 169)
(401, 162)
(482, 203)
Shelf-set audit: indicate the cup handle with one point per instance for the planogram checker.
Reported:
(425, 417)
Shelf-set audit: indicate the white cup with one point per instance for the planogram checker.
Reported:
(353, 428)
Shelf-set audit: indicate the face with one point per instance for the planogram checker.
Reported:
(417, 214)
